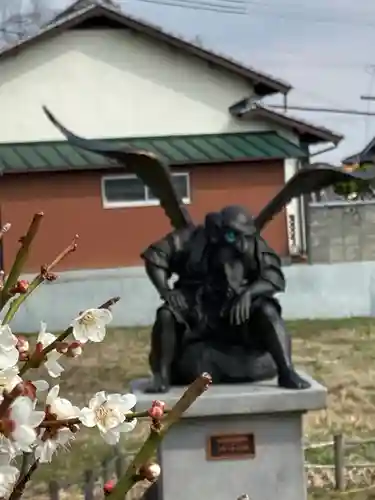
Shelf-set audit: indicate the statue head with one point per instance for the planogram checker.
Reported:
(237, 226)
(212, 226)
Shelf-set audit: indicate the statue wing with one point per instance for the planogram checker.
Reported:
(150, 169)
(314, 178)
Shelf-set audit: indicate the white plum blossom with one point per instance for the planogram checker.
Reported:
(40, 386)
(9, 378)
(9, 448)
(9, 354)
(61, 409)
(91, 325)
(107, 412)
(20, 425)
(24, 421)
(52, 365)
(8, 475)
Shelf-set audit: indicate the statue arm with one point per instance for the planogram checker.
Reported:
(159, 277)
(271, 279)
(161, 258)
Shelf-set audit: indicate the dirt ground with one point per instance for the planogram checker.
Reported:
(340, 354)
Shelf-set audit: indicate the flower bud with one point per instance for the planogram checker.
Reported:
(22, 345)
(29, 390)
(39, 347)
(156, 412)
(17, 390)
(74, 349)
(150, 471)
(108, 487)
(62, 347)
(6, 227)
(21, 287)
(158, 403)
(7, 425)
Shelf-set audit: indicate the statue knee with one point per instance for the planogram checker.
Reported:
(164, 316)
(271, 311)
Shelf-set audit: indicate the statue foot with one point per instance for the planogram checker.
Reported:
(292, 380)
(158, 385)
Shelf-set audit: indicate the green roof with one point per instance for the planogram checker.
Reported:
(177, 150)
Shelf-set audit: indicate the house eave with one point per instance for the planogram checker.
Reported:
(309, 133)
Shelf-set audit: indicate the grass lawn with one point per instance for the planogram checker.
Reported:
(340, 354)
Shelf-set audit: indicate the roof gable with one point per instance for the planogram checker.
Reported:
(83, 10)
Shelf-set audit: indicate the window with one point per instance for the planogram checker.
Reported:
(128, 191)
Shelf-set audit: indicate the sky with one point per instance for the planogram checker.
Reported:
(324, 49)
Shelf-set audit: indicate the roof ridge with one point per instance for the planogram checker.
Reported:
(79, 5)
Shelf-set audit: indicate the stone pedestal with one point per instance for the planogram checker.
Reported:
(234, 440)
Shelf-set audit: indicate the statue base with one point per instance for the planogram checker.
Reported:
(234, 440)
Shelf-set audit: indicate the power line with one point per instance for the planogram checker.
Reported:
(283, 14)
(197, 6)
(224, 8)
(323, 110)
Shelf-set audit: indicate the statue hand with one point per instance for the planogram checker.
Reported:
(240, 311)
(176, 299)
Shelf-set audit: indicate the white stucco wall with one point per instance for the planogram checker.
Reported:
(108, 83)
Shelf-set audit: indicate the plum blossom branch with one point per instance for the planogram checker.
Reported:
(44, 275)
(157, 433)
(39, 356)
(26, 242)
(22, 482)
(68, 422)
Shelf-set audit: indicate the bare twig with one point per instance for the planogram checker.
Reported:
(22, 482)
(44, 275)
(132, 476)
(26, 462)
(21, 258)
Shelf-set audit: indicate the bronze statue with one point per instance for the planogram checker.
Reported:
(221, 316)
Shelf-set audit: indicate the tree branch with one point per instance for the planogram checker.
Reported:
(53, 424)
(44, 275)
(131, 476)
(21, 258)
(20, 486)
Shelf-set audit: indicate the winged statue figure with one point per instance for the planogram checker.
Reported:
(221, 316)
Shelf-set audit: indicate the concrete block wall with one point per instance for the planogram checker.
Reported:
(341, 232)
